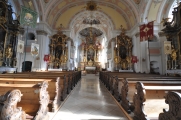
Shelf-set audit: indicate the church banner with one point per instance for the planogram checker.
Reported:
(142, 33)
(167, 47)
(20, 47)
(28, 17)
(34, 49)
(146, 31)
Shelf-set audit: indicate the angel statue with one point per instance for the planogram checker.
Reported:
(8, 53)
(174, 56)
(165, 21)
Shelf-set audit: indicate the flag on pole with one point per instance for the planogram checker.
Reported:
(146, 31)
(142, 33)
(150, 30)
(28, 17)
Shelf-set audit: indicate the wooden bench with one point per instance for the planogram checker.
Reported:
(54, 89)
(60, 79)
(173, 99)
(149, 100)
(71, 77)
(34, 101)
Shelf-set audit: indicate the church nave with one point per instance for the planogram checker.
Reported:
(89, 100)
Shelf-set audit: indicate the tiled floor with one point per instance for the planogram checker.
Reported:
(89, 100)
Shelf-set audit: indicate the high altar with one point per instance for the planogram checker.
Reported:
(90, 49)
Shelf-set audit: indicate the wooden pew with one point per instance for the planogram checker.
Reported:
(34, 101)
(54, 89)
(62, 80)
(6, 105)
(149, 100)
(173, 99)
(71, 77)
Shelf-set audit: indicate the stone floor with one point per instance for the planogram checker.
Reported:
(89, 100)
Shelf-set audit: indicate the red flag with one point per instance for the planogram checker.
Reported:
(134, 59)
(46, 58)
(150, 30)
(142, 33)
(146, 31)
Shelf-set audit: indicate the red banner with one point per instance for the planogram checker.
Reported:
(150, 30)
(134, 59)
(46, 58)
(142, 33)
(146, 31)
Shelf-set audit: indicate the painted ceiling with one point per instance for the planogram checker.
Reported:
(56, 12)
(112, 13)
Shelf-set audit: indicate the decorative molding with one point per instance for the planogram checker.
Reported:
(124, 96)
(173, 99)
(138, 100)
(10, 110)
(41, 32)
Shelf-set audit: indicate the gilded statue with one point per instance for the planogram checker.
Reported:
(9, 52)
(84, 59)
(174, 53)
(116, 59)
(128, 59)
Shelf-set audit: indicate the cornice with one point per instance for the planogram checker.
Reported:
(41, 32)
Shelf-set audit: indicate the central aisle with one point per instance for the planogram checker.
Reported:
(89, 100)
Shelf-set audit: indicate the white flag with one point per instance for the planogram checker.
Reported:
(20, 47)
(34, 49)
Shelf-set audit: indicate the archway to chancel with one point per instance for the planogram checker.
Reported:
(92, 34)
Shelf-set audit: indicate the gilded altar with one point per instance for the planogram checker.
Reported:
(123, 51)
(58, 51)
(90, 52)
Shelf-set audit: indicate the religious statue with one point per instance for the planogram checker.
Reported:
(84, 59)
(174, 57)
(9, 52)
(174, 53)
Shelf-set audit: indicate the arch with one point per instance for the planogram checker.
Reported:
(164, 9)
(31, 36)
(76, 24)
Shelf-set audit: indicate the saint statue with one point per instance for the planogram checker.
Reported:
(174, 53)
(9, 52)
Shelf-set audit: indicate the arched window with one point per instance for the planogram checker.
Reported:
(175, 4)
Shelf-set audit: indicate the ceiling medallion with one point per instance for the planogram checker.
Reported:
(91, 6)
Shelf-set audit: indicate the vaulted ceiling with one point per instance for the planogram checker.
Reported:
(56, 12)
(119, 12)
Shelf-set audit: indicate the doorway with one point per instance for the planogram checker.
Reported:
(27, 67)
